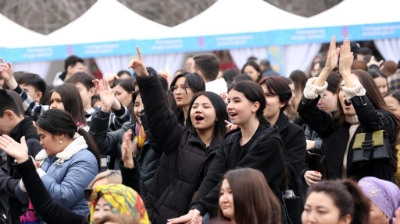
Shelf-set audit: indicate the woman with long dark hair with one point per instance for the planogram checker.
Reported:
(187, 152)
(256, 144)
(245, 197)
(68, 162)
(361, 108)
(277, 95)
(335, 202)
(253, 70)
(182, 88)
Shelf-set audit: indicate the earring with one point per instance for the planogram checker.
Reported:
(60, 141)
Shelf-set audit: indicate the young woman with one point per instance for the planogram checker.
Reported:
(46, 207)
(384, 198)
(123, 91)
(66, 97)
(255, 145)
(187, 152)
(277, 95)
(313, 170)
(361, 108)
(183, 87)
(253, 70)
(68, 162)
(245, 197)
(335, 202)
(380, 80)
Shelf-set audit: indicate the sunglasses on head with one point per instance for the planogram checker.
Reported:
(88, 194)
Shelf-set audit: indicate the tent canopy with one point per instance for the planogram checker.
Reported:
(235, 16)
(18, 36)
(357, 12)
(106, 20)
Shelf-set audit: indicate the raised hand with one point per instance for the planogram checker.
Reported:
(346, 59)
(106, 94)
(6, 70)
(138, 65)
(126, 150)
(332, 56)
(230, 127)
(373, 61)
(14, 149)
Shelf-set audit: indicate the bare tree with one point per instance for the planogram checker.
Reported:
(45, 16)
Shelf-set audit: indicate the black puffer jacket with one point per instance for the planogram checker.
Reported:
(110, 144)
(184, 159)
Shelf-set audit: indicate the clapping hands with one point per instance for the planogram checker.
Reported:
(14, 149)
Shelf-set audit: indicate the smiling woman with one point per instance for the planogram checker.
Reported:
(187, 152)
(361, 108)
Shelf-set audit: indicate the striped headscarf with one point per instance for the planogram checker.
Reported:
(122, 200)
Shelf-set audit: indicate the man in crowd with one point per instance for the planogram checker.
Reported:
(207, 66)
(13, 124)
(72, 65)
(32, 84)
(266, 68)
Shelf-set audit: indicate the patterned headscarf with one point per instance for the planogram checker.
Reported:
(122, 200)
(384, 194)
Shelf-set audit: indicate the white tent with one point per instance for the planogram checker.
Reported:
(106, 20)
(248, 16)
(236, 16)
(15, 35)
(110, 21)
(357, 12)
(350, 14)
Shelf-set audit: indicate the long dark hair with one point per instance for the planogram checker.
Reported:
(220, 110)
(373, 94)
(333, 81)
(254, 202)
(253, 93)
(72, 102)
(347, 197)
(57, 121)
(276, 85)
(255, 66)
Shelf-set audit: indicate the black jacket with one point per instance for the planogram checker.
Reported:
(294, 145)
(50, 211)
(265, 154)
(110, 144)
(10, 181)
(335, 141)
(184, 156)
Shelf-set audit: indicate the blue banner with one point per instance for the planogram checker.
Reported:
(205, 43)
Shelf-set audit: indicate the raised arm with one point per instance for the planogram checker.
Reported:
(31, 108)
(370, 118)
(163, 124)
(319, 120)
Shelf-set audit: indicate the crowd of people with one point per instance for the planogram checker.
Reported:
(207, 146)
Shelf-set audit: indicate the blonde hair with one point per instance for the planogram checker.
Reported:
(113, 177)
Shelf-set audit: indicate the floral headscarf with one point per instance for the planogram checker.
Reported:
(122, 200)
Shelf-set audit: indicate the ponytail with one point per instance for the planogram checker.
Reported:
(347, 197)
(92, 146)
(361, 204)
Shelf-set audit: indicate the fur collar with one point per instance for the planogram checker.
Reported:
(74, 147)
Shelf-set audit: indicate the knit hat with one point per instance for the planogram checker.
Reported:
(384, 194)
(122, 200)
